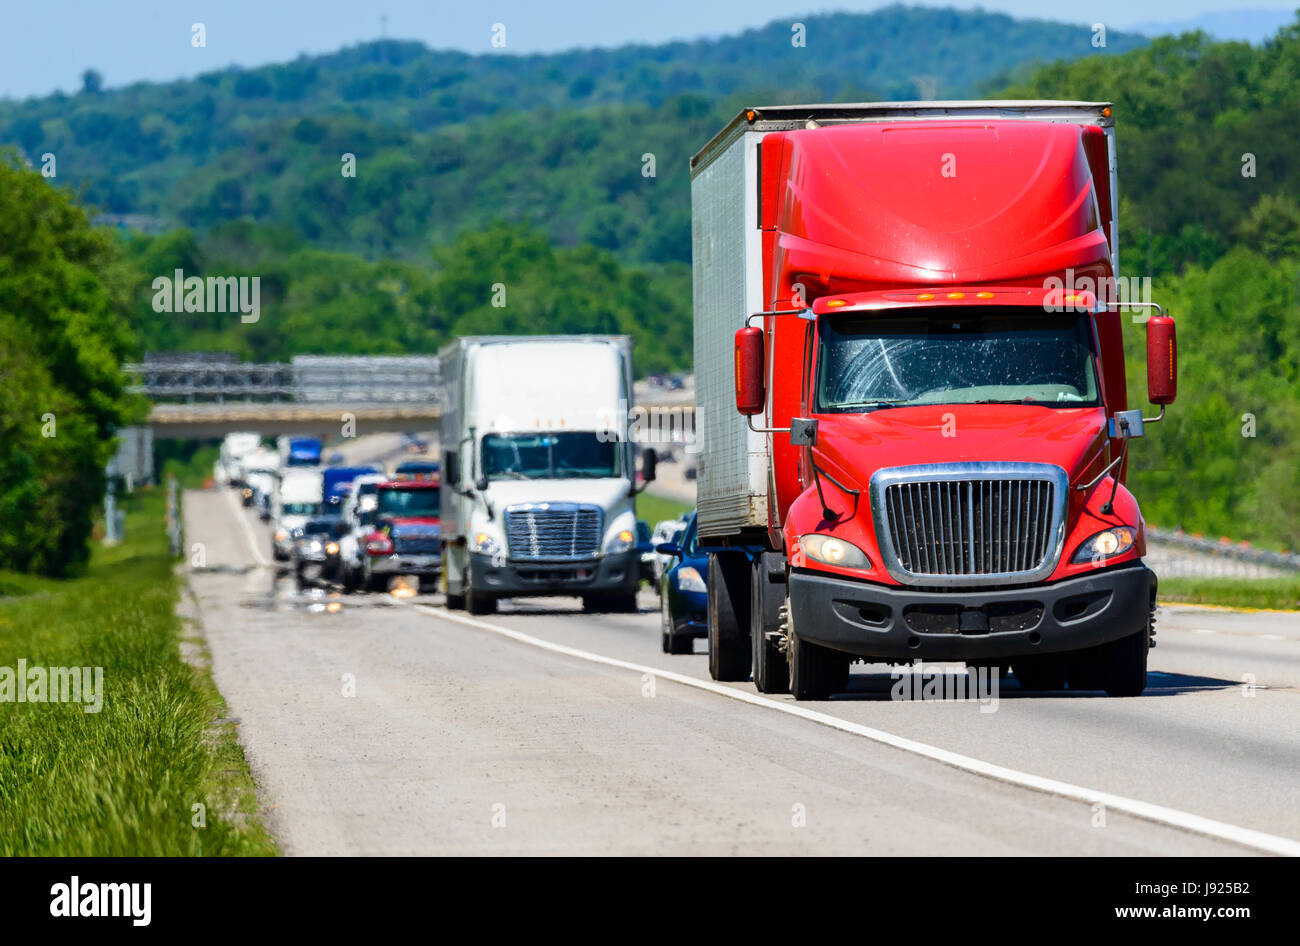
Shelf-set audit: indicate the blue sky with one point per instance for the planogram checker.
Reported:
(46, 45)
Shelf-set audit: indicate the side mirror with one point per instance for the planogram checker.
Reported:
(481, 484)
(649, 460)
(668, 548)
(451, 467)
(750, 396)
(1162, 360)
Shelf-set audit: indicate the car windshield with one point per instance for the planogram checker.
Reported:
(956, 356)
(408, 502)
(549, 456)
(328, 527)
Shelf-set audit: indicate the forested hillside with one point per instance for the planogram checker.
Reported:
(135, 148)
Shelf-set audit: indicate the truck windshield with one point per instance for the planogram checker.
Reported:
(300, 509)
(408, 502)
(956, 356)
(549, 456)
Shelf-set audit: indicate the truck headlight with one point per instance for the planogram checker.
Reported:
(620, 542)
(281, 535)
(1106, 545)
(332, 548)
(832, 551)
(688, 579)
(484, 543)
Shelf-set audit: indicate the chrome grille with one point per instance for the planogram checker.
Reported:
(553, 531)
(970, 523)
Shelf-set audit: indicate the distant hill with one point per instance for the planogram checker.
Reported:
(263, 134)
(1251, 25)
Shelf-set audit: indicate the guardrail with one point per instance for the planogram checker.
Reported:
(1178, 554)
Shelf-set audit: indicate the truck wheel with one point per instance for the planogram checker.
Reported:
(477, 602)
(1124, 664)
(1045, 672)
(771, 672)
(728, 616)
(377, 583)
(816, 672)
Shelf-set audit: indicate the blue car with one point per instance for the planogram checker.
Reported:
(684, 593)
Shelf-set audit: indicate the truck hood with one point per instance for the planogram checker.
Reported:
(604, 493)
(958, 433)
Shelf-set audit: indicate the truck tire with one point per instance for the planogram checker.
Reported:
(1041, 672)
(609, 603)
(771, 672)
(1126, 668)
(477, 602)
(672, 642)
(728, 616)
(816, 672)
(377, 583)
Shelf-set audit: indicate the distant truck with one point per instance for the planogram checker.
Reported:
(300, 451)
(336, 482)
(903, 401)
(228, 471)
(539, 478)
(404, 536)
(297, 500)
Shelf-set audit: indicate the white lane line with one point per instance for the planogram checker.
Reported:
(1204, 630)
(1187, 821)
(238, 512)
(1270, 637)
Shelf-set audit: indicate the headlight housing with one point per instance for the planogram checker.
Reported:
(484, 544)
(620, 541)
(688, 579)
(1106, 544)
(832, 551)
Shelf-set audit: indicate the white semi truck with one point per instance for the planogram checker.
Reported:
(539, 474)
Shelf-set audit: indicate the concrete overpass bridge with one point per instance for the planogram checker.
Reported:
(203, 396)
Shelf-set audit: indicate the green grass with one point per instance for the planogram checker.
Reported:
(121, 781)
(654, 508)
(1272, 593)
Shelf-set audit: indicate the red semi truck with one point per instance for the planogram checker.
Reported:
(904, 398)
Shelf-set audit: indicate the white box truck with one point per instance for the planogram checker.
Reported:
(539, 474)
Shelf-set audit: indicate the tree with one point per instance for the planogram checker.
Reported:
(63, 294)
(92, 82)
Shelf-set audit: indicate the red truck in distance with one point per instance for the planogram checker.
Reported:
(407, 534)
(927, 437)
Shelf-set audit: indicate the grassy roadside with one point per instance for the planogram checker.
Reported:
(1282, 594)
(125, 780)
(654, 508)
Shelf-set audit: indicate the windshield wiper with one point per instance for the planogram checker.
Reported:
(880, 403)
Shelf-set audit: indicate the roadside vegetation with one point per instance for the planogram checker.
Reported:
(653, 508)
(1273, 594)
(125, 780)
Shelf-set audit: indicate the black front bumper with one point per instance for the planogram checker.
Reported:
(893, 623)
(619, 573)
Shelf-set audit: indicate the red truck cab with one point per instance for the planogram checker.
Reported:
(407, 534)
(934, 396)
